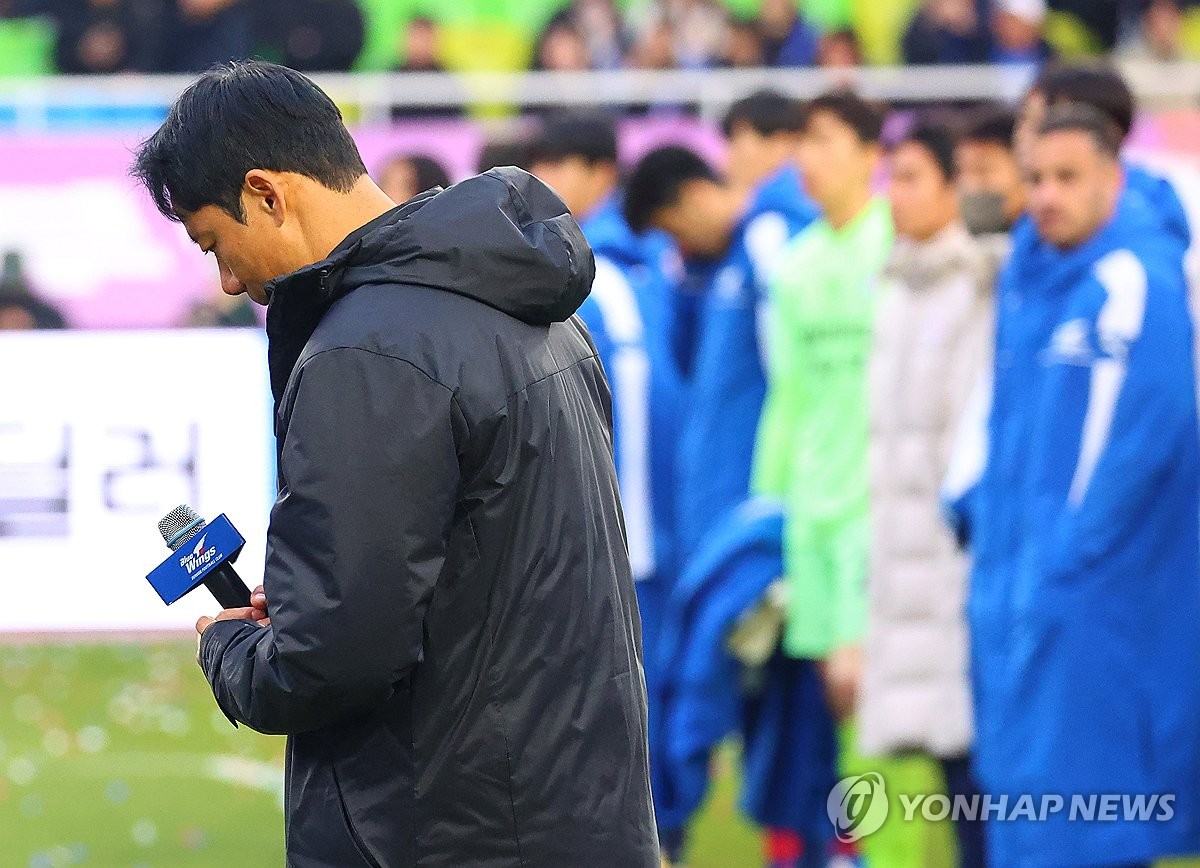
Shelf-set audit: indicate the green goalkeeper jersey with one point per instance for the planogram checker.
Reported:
(812, 443)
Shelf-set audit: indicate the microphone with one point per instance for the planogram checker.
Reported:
(209, 562)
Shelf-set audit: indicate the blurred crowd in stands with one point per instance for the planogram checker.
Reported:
(108, 36)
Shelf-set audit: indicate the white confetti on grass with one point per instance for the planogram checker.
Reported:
(174, 721)
(144, 833)
(249, 773)
(117, 792)
(92, 739)
(21, 771)
(242, 771)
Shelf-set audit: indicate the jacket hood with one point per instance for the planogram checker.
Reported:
(502, 238)
(925, 264)
(1040, 267)
(784, 192)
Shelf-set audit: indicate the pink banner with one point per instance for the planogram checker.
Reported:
(93, 243)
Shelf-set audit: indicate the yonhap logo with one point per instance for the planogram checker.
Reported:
(857, 806)
(198, 557)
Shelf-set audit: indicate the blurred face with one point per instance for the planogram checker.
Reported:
(923, 200)
(1162, 25)
(745, 48)
(990, 168)
(836, 164)
(1016, 32)
(564, 50)
(1073, 187)
(777, 16)
(581, 184)
(700, 221)
(753, 157)
(656, 50)
(420, 45)
(838, 52)
(249, 255)
(16, 318)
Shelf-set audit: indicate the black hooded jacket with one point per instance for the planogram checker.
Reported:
(454, 646)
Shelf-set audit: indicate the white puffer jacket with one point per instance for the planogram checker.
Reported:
(932, 335)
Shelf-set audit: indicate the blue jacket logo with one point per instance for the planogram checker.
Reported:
(1070, 344)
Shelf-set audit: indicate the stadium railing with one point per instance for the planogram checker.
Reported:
(37, 104)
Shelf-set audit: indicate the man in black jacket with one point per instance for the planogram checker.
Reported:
(453, 644)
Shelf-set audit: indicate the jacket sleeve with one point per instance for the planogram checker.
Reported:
(772, 472)
(356, 543)
(965, 438)
(1141, 413)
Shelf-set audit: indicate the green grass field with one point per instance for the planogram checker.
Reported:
(115, 755)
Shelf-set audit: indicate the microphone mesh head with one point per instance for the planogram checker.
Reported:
(176, 520)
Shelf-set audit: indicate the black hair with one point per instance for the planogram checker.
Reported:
(504, 152)
(767, 112)
(991, 126)
(561, 23)
(855, 112)
(938, 141)
(1097, 85)
(1084, 118)
(592, 137)
(240, 116)
(656, 182)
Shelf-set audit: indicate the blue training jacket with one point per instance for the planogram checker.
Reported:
(789, 742)
(1084, 605)
(1163, 199)
(1153, 192)
(727, 385)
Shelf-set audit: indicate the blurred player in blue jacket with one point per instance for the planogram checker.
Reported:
(734, 229)
(1084, 605)
(729, 229)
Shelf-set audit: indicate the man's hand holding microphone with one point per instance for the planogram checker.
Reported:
(208, 562)
(256, 612)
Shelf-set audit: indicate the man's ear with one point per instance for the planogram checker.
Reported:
(264, 193)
